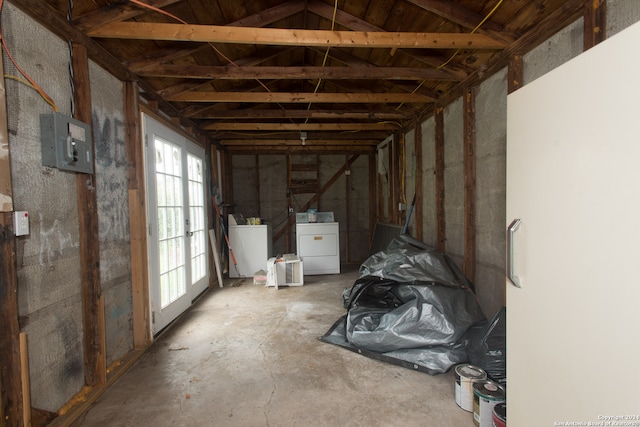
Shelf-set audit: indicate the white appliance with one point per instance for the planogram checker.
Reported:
(318, 244)
(252, 247)
(573, 181)
(287, 270)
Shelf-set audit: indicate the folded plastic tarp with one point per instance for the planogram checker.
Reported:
(411, 306)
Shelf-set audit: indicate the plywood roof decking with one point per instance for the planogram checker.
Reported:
(343, 71)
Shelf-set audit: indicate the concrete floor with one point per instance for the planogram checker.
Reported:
(249, 356)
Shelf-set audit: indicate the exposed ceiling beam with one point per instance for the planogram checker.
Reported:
(239, 73)
(271, 15)
(116, 13)
(462, 16)
(295, 135)
(287, 37)
(260, 19)
(301, 97)
(293, 142)
(302, 126)
(302, 114)
(356, 24)
(301, 149)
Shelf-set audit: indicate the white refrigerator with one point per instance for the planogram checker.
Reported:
(573, 297)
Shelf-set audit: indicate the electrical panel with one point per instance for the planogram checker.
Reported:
(66, 143)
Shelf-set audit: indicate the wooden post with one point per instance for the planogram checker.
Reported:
(391, 182)
(595, 23)
(469, 123)
(26, 387)
(137, 219)
(347, 198)
(440, 217)
(417, 209)
(10, 371)
(373, 173)
(95, 369)
(515, 73)
(11, 392)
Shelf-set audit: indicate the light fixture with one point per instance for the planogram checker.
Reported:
(303, 137)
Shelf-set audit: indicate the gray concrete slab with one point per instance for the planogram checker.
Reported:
(250, 356)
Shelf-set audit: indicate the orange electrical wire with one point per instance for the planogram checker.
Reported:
(32, 82)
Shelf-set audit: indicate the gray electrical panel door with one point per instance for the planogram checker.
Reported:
(66, 143)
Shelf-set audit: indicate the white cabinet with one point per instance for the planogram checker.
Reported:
(318, 245)
(573, 181)
(252, 247)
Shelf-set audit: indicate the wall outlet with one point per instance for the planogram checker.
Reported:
(21, 223)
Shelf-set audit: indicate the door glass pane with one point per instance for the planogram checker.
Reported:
(196, 218)
(170, 209)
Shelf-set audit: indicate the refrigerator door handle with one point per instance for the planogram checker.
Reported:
(511, 231)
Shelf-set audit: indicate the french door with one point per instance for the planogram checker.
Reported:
(176, 222)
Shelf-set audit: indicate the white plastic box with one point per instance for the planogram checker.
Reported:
(285, 271)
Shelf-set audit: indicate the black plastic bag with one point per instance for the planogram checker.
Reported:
(487, 347)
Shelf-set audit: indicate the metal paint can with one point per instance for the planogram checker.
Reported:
(500, 415)
(486, 395)
(466, 375)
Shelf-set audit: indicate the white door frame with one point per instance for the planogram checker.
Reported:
(183, 233)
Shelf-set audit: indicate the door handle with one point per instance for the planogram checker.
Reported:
(511, 231)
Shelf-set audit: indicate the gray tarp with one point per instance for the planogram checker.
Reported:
(411, 306)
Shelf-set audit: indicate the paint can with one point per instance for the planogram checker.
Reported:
(466, 375)
(500, 415)
(486, 395)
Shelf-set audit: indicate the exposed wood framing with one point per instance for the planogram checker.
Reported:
(515, 73)
(287, 37)
(301, 126)
(57, 23)
(299, 149)
(316, 196)
(10, 371)
(137, 219)
(11, 406)
(356, 24)
(373, 201)
(300, 97)
(95, 369)
(259, 114)
(560, 18)
(391, 211)
(469, 124)
(441, 237)
(347, 198)
(462, 16)
(418, 208)
(399, 176)
(595, 23)
(258, 183)
(229, 143)
(26, 383)
(308, 72)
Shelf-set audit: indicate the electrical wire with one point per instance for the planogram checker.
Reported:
(326, 53)
(72, 82)
(229, 60)
(29, 81)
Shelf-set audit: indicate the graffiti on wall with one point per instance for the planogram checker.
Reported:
(53, 241)
(111, 174)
